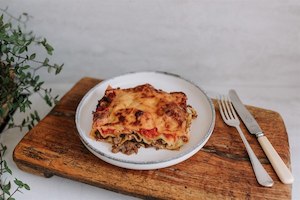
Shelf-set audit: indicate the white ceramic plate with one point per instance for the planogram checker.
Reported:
(148, 158)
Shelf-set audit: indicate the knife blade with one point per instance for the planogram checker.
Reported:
(253, 127)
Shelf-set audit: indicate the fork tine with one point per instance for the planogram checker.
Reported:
(227, 102)
(224, 107)
(221, 108)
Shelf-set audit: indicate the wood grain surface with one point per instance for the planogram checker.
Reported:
(220, 170)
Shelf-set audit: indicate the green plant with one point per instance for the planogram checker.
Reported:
(6, 185)
(19, 68)
(20, 64)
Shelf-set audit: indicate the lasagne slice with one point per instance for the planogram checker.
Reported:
(142, 116)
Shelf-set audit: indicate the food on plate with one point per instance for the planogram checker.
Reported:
(142, 116)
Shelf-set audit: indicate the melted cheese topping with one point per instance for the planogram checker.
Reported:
(145, 112)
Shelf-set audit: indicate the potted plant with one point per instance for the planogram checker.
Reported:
(20, 64)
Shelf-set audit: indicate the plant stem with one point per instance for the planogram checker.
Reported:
(1, 172)
(25, 59)
(35, 61)
(14, 18)
(16, 190)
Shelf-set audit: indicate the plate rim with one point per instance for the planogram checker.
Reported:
(155, 162)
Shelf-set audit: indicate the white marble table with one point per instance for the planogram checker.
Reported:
(251, 46)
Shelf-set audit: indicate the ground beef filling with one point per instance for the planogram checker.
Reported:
(128, 147)
(131, 146)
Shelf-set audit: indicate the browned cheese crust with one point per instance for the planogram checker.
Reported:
(142, 116)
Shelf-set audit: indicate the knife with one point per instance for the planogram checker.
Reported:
(280, 168)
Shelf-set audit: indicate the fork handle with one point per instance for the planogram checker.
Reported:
(280, 168)
(261, 174)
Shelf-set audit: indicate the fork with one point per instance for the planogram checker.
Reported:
(230, 118)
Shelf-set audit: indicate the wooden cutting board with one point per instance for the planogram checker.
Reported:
(220, 170)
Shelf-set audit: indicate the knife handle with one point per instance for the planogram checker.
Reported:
(280, 168)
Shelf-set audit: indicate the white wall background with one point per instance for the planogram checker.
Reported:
(247, 43)
(252, 46)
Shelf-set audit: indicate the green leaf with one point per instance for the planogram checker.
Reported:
(46, 61)
(32, 116)
(12, 59)
(19, 183)
(3, 48)
(25, 67)
(29, 42)
(21, 99)
(38, 86)
(58, 69)
(11, 198)
(23, 122)
(15, 49)
(37, 115)
(11, 125)
(49, 69)
(8, 25)
(21, 42)
(6, 167)
(26, 187)
(22, 108)
(22, 49)
(6, 188)
(49, 48)
(32, 56)
(36, 78)
(4, 148)
(47, 99)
